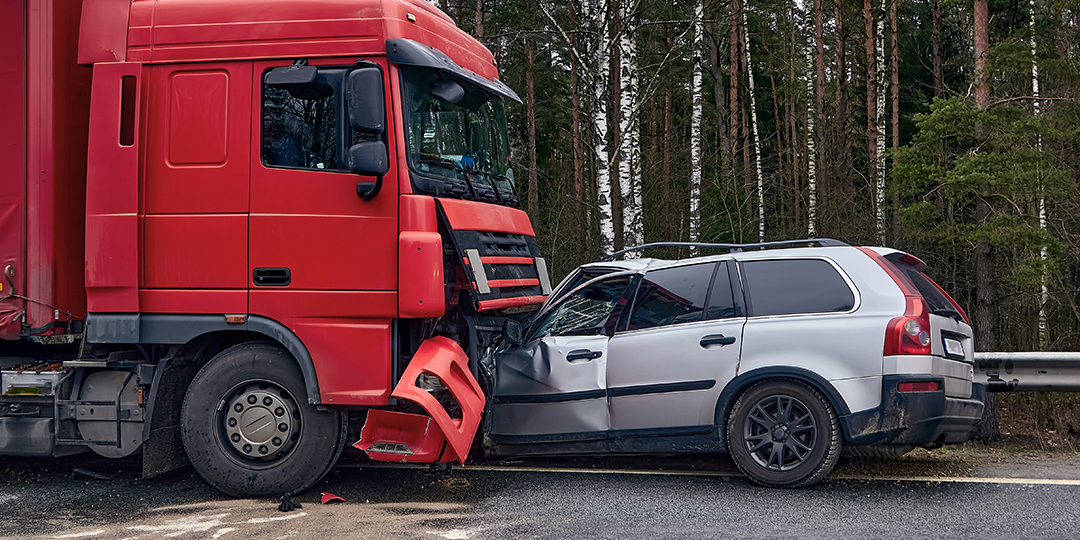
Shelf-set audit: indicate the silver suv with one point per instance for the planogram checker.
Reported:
(781, 357)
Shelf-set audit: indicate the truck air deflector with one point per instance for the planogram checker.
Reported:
(396, 436)
(411, 53)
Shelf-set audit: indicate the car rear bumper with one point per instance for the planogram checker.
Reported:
(926, 419)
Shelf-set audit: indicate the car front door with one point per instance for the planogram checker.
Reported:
(553, 387)
(675, 352)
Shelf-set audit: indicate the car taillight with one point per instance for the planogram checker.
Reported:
(910, 333)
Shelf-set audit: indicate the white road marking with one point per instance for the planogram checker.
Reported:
(730, 474)
(456, 534)
(222, 532)
(81, 534)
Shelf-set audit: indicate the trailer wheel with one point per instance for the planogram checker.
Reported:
(248, 429)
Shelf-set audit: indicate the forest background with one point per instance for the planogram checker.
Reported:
(945, 128)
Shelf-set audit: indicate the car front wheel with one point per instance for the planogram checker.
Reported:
(784, 434)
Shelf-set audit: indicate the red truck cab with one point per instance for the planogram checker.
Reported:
(242, 230)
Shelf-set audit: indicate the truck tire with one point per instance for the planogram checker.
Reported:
(783, 433)
(248, 429)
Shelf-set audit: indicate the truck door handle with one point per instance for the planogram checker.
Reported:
(583, 354)
(717, 339)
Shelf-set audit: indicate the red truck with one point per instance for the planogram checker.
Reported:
(244, 234)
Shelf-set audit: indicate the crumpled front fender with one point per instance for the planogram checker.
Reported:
(416, 438)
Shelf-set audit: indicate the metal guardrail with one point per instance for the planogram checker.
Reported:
(1028, 371)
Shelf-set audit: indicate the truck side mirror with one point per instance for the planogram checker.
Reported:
(291, 77)
(366, 101)
(369, 159)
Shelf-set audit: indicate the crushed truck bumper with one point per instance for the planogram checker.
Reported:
(435, 437)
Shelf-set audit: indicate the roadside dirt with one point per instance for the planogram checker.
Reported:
(1040, 438)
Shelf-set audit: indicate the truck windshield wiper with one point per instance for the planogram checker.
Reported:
(451, 165)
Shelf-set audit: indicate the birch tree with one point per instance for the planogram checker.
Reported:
(1044, 294)
(811, 98)
(754, 126)
(695, 125)
(879, 171)
(601, 79)
(629, 154)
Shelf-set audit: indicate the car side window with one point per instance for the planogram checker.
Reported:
(721, 301)
(300, 125)
(671, 296)
(793, 286)
(585, 312)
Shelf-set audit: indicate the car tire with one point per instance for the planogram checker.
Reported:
(248, 428)
(784, 434)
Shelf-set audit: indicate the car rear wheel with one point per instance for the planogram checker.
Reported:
(783, 434)
(248, 429)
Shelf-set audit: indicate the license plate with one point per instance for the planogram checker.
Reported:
(953, 347)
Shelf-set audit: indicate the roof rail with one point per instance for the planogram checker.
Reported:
(730, 247)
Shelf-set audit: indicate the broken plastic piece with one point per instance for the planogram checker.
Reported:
(328, 497)
(287, 505)
(418, 438)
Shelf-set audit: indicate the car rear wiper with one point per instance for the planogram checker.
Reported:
(950, 313)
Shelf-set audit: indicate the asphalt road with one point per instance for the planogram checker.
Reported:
(577, 499)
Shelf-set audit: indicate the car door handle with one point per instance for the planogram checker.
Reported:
(717, 339)
(583, 354)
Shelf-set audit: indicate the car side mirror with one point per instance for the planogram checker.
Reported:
(447, 91)
(366, 101)
(512, 332)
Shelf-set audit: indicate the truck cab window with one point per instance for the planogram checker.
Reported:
(300, 125)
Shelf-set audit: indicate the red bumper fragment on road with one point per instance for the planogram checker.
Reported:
(416, 438)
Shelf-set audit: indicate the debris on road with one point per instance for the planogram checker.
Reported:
(328, 497)
(287, 505)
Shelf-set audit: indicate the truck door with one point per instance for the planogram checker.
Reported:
(553, 387)
(323, 261)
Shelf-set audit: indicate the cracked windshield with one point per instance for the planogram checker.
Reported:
(456, 137)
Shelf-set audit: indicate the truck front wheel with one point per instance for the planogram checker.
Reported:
(248, 428)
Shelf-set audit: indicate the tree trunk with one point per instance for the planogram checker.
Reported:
(842, 165)
(1044, 292)
(530, 98)
(629, 134)
(984, 252)
(754, 124)
(880, 80)
(733, 86)
(479, 19)
(600, 124)
(695, 127)
(894, 66)
(577, 135)
(935, 46)
(813, 103)
(719, 95)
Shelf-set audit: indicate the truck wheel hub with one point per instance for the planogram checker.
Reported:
(261, 422)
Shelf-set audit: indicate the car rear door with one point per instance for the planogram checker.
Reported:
(553, 387)
(677, 350)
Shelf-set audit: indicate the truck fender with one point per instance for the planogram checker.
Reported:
(177, 329)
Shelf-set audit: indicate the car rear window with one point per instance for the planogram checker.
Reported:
(938, 302)
(793, 286)
(671, 296)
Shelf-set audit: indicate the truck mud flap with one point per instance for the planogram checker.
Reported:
(435, 438)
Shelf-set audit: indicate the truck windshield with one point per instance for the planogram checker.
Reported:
(456, 149)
